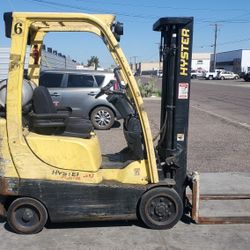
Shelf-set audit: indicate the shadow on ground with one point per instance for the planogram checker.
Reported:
(86, 224)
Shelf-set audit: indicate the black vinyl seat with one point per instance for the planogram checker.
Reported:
(47, 119)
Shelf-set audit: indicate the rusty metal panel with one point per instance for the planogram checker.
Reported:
(195, 196)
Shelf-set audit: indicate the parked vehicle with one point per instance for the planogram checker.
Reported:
(223, 75)
(77, 89)
(247, 77)
(197, 74)
(213, 75)
(242, 74)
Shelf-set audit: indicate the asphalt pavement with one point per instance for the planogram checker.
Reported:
(219, 126)
(219, 146)
(133, 235)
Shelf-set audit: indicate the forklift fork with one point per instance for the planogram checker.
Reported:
(196, 198)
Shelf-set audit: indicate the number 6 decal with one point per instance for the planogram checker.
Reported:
(18, 28)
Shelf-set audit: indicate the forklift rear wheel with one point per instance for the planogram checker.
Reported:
(27, 216)
(161, 208)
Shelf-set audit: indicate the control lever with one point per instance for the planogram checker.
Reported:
(116, 73)
(105, 89)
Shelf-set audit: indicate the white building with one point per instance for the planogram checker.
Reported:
(235, 60)
(200, 61)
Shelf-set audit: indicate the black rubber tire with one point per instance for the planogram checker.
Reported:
(107, 114)
(210, 78)
(169, 204)
(34, 211)
(236, 78)
(222, 78)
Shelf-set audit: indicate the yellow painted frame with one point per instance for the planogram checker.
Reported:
(101, 25)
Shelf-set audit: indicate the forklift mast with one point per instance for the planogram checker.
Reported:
(175, 55)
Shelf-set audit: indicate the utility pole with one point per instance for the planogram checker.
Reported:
(135, 62)
(215, 43)
(159, 47)
(135, 59)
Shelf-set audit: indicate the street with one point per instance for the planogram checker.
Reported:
(219, 132)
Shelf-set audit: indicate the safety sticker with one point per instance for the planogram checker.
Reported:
(183, 90)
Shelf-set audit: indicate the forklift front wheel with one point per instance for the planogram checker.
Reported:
(26, 216)
(161, 208)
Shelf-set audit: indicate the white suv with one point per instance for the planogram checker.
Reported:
(228, 75)
(197, 74)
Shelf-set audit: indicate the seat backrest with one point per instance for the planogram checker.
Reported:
(42, 101)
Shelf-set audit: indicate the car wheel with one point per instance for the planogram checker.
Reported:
(210, 77)
(26, 216)
(222, 78)
(236, 78)
(160, 208)
(102, 118)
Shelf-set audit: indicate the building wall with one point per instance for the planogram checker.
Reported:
(49, 60)
(200, 61)
(236, 60)
(245, 63)
(145, 66)
(4, 62)
(228, 55)
(229, 60)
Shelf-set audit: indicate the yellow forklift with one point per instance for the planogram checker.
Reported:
(51, 165)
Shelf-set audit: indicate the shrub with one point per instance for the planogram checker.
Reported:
(146, 88)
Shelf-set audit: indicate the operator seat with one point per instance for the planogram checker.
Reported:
(47, 119)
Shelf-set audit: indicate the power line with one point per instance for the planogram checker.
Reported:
(236, 41)
(141, 16)
(94, 10)
(226, 43)
(169, 7)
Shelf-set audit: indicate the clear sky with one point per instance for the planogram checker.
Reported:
(139, 40)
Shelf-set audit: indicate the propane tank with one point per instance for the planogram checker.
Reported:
(27, 92)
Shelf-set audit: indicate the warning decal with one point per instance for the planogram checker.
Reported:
(183, 90)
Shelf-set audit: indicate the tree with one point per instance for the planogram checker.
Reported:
(94, 60)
